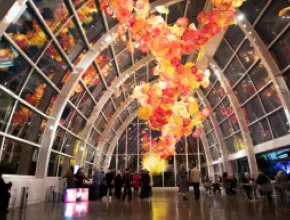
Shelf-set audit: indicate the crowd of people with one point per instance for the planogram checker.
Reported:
(230, 185)
(105, 184)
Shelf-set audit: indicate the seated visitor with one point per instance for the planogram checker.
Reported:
(4, 193)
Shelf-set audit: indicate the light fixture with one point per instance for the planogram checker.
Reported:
(240, 17)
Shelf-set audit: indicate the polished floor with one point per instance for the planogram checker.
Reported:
(166, 204)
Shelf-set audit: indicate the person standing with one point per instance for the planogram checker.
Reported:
(265, 184)
(118, 184)
(109, 183)
(182, 179)
(145, 184)
(97, 177)
(151, 184)
(80, 178)
(127, 184)
(136, 183)
(69, 176)
(195, 178)
(4, 193)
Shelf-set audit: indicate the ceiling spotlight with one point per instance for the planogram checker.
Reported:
(108, 38)
(240, 17)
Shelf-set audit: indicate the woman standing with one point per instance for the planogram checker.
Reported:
(118, 184)
(182, 181)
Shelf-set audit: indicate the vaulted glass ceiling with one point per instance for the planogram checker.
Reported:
(66, 81)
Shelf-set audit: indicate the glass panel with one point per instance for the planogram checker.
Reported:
(13, 68)
(245, 89)
(113, 163)
(118, 97)
(271, 24)
(180, 160)
(77, 124)
(6, 105)
(27, 124)
(280, 50)
(70, 145)
(124, 115)
(108, 110)
(270, 98)
(207, 126)
(226, 128)
(279, 124)
(28, 35)
(91, 21)
(122, 144)
(287, 78)
(71, 41)
(124, 60)
(192, 144)
(54, 12)
(101, 123)
(77, 3)
(219, 89)
(111, 21)
(132, 162)
(252, 8)
(67, 114)
(247, 54)
(235, 123)
(234, 36)
(180, 147)
(121, 162)
(254, 110)
(119, 45)
(230, 145)
(59, 139)
(54, 66)
(234, 71)
(132, 139)
(117, 124)
(58, 165)
(38, 92)
(138, 55)
(223, 54)
(94, 138)
(259, 76)
(86, 105)
(260, 132)
(239, 142)
(98, 91)
(213, 98)
(18, 158)
(176, 11)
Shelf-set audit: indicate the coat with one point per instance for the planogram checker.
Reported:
(183, 181)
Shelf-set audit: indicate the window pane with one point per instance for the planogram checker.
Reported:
(180, 160)
(54, 12)
(13, 68)
(259, 76)
(219, 89)
(94, 138)
(86, 105)
(71, 41)
(234, 36)
(235, 123)
(77, 124)
(252, 8)
(254, 110)
(132, 139)
(260, 132)
(119, 45)
(226, 128)
(279, 124)
(58, 165)
(234, 71)
(213, 98)
(271, 24)
(247, 54)
(138, 55)
(91, 21)
(223, 54)
(230, 145)
(70, 145)
(38, 92)
(287, 78)
(280, 50)
(124, 60)
(245, 89)
(18, 158)
(180, 147)
(28, 35)
(270, 98)
(101, 123)
(176, 11)
(27, 124)
(6, 105)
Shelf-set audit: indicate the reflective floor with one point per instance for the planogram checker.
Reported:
(165, 204)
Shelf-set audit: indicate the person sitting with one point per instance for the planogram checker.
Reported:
(207, 185)
(4, 192)
(216, 185)
(233, 184)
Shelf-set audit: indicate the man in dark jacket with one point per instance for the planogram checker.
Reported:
(128, 180)
(265, 185)
(109, 177)
(4, 193)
